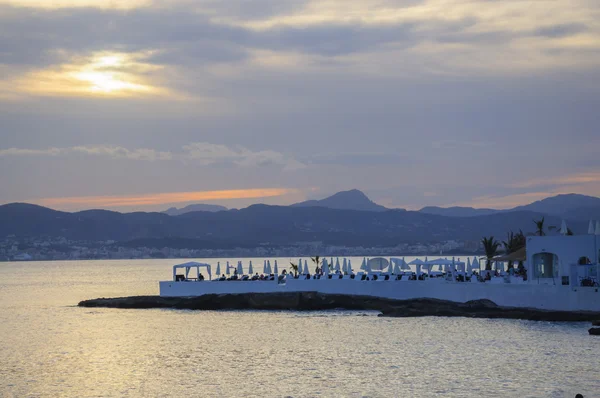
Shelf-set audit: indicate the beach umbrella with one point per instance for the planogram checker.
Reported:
(325, 267)
(475, 263)
(368, 267)
(345, 267)
(404, 264)
(563, 228)
(349, 267)
(268, 267)
(218, 268)
(391, 266)
(299, 266)
(591, 227)
(416, 261)
(250, 269)
(240, 269)
(275, 269)
(397, 268)
(469, 269)
(337, 264)
(306, 270)
(227, 270)
(364, 264)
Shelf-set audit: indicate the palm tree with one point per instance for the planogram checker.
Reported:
(514, 243)
(294, 268)
(509, 246)
(539, 225)
(490, 245)
(317, 261)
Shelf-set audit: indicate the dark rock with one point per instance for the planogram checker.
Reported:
(594, 331)
(313, 301)
(596, 322)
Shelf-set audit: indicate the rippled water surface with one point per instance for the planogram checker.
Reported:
(50, 348)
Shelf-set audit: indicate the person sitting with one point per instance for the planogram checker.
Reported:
(222, 278)
(255, 277)
(200, 277)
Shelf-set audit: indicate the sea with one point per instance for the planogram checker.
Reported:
(50, 347)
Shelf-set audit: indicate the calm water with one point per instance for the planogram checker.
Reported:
(50, 348)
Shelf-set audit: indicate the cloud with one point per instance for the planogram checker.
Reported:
(159, 198)
(202, 153)
(114, 152)
(207, 153)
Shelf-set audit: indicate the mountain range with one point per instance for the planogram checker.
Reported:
(260, 225)
(568, 206)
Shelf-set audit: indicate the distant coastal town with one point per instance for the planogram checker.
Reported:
(47, 249)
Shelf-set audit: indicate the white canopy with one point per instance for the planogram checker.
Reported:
(250, 269)
(417, 261)
(192, 264)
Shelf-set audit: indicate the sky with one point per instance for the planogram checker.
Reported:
(142, 104)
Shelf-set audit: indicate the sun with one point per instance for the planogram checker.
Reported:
(107, 74)
(106, 82)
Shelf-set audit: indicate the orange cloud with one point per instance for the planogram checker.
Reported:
(160, 198)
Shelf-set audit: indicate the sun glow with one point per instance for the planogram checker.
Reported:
(104, 74)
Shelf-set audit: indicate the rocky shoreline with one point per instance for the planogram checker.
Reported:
(313, 301)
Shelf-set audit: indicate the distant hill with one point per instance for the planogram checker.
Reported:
(568, 206)
(457, 211)
(345, 200)
(563, 204)
(174, 211)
